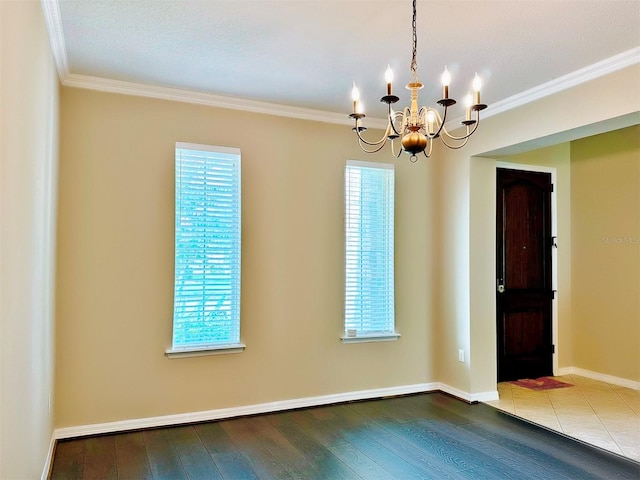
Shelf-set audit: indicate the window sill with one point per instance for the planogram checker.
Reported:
(374, 337)
(203, 351)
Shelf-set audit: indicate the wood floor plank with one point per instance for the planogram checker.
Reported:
(351, 420)
(323, 413)
(289, 456)
(68, 460)
(369, 409)
(464, 447)
(280, 418)
(399, 409)
(440, 406)
(515, 459)
(450, 446)
(422, 445)
(476, 461)
(195, 458)
(234, 466)
(385, 458)
(321, 430)
(323, 463)
(214, 438)
(261, 459)
(418, 436)
(231, 463)
(565, 456)
(360, 463)
(163, 457)
(428, 460)
(100, 458)
(131, 457)
(542, 448)
(459, 432)
(516, 443)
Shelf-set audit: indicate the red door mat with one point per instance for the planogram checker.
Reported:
(542, 383)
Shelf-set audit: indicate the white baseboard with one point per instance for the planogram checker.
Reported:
(182, 418)
(218, 414)
(603, 377)
(469, 397)
(49, 460)
(563, 371)
(485, 396)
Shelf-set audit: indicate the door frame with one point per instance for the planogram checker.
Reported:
(554, 251)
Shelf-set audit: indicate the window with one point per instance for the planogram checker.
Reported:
(369, 295)
(206, 306)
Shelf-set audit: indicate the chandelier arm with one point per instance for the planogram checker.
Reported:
(438, 120)
(464, 137)
(393, 150)
(455, 147)
(374, 150)
(392, 120)
(361, 140)
(430, 149)
(442, 120)
(406, 116)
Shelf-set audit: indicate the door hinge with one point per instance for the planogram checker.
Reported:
(552, 188)
(554, 242)
(553, 349)
(553, 294)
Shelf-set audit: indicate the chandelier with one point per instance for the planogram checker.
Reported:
(418, 126)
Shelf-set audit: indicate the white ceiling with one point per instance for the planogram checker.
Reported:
(308, 53)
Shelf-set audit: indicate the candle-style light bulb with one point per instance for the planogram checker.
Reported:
(360, 107)
(468, 101)
(355, 93)
(431, 118)
(355, 96)
(477, 85)
(446, 80)
(388, 76)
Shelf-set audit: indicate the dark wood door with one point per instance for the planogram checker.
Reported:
(523, 267)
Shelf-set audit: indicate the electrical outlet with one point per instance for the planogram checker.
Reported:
(461, 355)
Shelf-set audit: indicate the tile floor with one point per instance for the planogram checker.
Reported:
(595, 412)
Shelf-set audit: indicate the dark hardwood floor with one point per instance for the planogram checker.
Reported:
(419, 436)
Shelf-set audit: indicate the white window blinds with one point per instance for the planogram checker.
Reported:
(369, 202)
(207, 247)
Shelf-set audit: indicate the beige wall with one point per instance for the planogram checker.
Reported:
(115, 257)
(605, 205)
(28, 157)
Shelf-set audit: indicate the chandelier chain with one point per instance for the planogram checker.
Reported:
(414, 65)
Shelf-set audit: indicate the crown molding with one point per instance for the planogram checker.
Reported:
(590, 72)
(583, 75)
(51, 10)
(208, 99)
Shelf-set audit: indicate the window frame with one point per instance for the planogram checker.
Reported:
(212, 348)
(350, 335)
